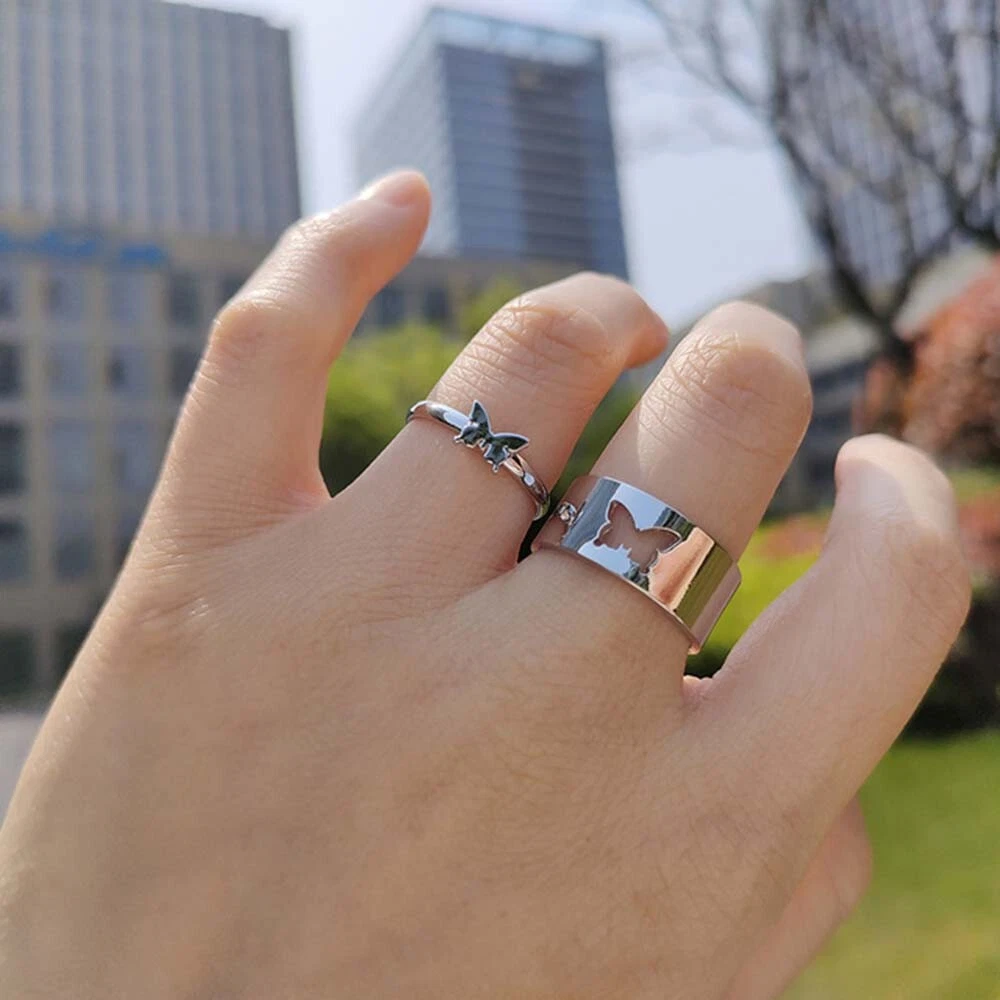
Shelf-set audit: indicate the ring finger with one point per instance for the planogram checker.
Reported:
(712, 437)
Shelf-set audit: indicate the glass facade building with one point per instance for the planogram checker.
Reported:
(511, 124)
(149, 115)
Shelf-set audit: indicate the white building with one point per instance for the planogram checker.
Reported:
(146, 115)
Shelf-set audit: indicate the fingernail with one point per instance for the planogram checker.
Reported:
(759, 325)
(400, 188)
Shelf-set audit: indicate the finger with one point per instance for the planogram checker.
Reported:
(712, 436)
(817, 690)
(540, 366)
(834, 884)
(247, 441)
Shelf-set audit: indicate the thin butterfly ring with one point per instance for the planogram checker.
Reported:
(500, 450)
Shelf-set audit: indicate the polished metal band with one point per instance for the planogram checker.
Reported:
(649, 545)
(500, 450)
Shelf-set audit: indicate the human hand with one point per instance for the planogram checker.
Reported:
(348, 748)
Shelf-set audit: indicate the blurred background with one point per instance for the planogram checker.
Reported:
(836, 160)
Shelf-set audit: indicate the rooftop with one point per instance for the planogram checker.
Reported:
(512, 38)
(478, 33)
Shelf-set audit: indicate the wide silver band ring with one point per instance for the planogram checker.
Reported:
(648, 544)
(500, 450)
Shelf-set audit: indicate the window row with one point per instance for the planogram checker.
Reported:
(74, 545)
(19, 655)
(129, 295)
(71, 371)
(395, 305)
(135, 453)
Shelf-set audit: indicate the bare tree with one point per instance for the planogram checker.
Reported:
(889, 115)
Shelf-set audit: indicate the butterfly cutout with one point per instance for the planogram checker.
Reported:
(643, 546)
(477, 433)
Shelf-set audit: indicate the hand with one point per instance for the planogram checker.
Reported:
(348, 748)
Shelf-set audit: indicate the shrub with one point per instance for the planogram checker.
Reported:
(375, 380)
(778, 554)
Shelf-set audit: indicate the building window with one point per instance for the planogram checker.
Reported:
(128, 373)
(390, 307)
(71, 456)
(15, 557)
(835, 424)
(69, 639)
(64, 293)
(819, 475)
(125, 529)
(74, 544)
(126, 303)
(183, 365)
(436, 306)
(229, 286)
(12, 459)
(67, 370)
(135, 456)
(17, 661)
(8, 294)
(184, 301)
(10, 370)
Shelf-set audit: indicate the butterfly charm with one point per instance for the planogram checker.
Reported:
(642, 547)
(477, 433)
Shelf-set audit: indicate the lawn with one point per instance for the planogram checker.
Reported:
(930, 928)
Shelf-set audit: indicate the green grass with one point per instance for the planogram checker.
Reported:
(972, 483)
(930, 928)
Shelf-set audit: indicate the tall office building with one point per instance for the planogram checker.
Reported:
(147, 160)
(149, 115)
(511, 125)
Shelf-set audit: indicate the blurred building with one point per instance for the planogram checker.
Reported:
(99, 337)
(840, 348)
(511, 125)
(147, 162)
(437, 290)
(149, 115)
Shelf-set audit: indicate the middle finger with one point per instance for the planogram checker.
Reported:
(540, 366)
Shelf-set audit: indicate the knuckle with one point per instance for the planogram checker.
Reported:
(245, 321)
(526, 342)
(744, 392)
(547, 334)
(252, 326)
(551, 333)
(166, 620)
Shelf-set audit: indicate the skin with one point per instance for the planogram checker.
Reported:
(347, 747)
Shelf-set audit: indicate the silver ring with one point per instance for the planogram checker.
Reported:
(500, 450)
(648, 544)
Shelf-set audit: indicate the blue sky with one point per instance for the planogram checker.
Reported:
(700, 226)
